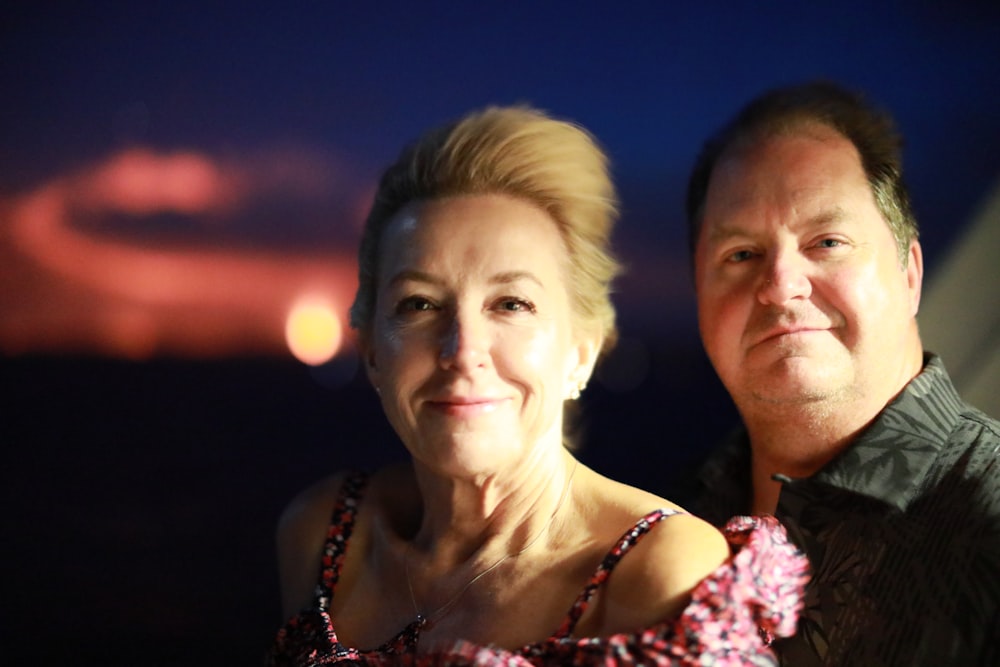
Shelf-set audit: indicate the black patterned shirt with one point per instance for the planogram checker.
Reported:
(902, 531)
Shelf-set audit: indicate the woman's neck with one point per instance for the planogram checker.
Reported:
(481, 519)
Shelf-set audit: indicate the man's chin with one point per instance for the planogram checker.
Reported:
(795, 384)
(805, 396)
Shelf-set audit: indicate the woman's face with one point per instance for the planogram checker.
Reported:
(472, 347)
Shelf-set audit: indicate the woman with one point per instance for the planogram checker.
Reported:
(482, 308)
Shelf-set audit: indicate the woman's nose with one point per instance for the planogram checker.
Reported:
(464, 344)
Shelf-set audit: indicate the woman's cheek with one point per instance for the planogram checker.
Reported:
(539, 349)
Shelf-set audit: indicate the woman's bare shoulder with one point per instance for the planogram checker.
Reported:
(300, 536)
(678, 553)
(309, 510)
(653, 582)
(304, 524)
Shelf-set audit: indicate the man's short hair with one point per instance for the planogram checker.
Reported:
(788, 109)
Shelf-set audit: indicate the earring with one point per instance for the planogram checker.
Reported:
(574, 393)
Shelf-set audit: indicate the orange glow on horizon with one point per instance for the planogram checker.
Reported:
(64, 288)
(313, 332)
(141, 182)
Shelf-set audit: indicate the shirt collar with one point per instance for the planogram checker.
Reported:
(897, 450)
(886, 462)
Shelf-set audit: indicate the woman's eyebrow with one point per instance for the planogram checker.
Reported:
(514, 276)
(412, 275)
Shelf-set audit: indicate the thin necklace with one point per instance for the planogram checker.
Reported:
(427, 621)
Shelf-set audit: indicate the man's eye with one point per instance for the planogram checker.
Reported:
(739, 256)
(830, 243)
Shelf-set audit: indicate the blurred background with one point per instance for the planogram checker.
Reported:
(181, 191)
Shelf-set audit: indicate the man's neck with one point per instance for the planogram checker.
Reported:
(796, 440)
(797, 446)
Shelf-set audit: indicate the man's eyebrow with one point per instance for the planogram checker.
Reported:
(830, 216)
(726, 231)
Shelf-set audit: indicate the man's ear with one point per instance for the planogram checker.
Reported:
(914, 275)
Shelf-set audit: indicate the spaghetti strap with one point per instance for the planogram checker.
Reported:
(733, 613)
(337, 535)
(627, 541)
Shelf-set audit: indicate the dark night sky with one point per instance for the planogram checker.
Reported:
(141, 494)
(332, 91)
(355, 81)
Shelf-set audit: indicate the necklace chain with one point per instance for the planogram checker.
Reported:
(432, 617)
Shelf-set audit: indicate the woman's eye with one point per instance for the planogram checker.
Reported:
(739, 256)
(830, 243)
(413, 304)
(515, 305)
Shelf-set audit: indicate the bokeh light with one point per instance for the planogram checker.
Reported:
(313, 332)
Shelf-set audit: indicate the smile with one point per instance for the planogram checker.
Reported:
(784, 334)
(472, 407)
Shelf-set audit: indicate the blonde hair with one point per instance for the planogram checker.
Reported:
(522, 153)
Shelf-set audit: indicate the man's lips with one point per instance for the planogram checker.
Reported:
(776, 334)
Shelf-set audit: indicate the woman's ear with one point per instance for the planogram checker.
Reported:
(587, 351)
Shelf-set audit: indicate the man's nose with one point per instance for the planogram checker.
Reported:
(785, 276)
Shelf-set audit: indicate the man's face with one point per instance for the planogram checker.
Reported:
(801, 295)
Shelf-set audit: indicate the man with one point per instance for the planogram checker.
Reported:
(808, 273)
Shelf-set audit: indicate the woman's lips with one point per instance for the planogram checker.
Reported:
(466, 407)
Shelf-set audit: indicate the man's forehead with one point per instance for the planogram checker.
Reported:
(804, 175)
(754, 140)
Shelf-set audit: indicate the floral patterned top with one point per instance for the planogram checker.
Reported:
(733, 615)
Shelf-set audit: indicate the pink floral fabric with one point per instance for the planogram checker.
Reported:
(733, 615)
